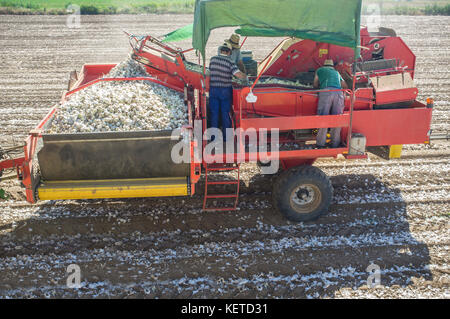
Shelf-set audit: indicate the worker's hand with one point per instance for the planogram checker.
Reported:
(240, 75)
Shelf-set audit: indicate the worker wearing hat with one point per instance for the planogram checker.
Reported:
(221, 70)
(236, 55)
(328, 79)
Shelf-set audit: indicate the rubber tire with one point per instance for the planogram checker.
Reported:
(2, 156)
(288, 180)
(35, 179)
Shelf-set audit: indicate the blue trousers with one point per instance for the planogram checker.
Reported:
(220, 100)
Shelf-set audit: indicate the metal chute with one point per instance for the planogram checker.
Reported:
(111, 155)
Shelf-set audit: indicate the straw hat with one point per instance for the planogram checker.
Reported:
(234, 41)
(328, 62)
(226, 45)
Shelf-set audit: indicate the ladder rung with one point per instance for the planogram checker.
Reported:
(222, 209)
(223, 183)
(222, 196)
(222, 168)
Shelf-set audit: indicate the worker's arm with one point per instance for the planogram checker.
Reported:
(235, 71)
(241, 66)
(240, 75)
(343, 83)
(316, 82)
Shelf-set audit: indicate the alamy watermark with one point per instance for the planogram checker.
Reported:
(373, 19)
(74, 279)
(74, 18)
(374, 279)
(237, 146)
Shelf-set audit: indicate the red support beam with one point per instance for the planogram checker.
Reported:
(297, 122)
(281, 155)
(11, 163)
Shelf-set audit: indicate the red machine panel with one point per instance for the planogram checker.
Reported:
(271, 103)
(306, 55)
(391, 127)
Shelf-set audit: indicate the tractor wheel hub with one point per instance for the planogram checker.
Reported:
(305, 198)
(303, 195)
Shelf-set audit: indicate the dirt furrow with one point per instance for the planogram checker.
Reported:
(394, 214)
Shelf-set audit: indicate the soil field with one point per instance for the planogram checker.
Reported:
(394, 214)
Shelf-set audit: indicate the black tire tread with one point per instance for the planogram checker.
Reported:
(291, 176)
(35, 178)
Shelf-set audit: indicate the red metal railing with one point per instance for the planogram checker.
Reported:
(285, 123)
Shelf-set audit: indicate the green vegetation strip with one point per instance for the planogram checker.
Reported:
(409, 7)
(96, 7)
(443, 10)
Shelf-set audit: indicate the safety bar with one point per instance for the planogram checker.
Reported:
(297, 122)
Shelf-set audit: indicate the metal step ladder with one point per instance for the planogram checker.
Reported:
(218, 167)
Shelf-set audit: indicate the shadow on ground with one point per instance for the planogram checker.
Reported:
(251, 253)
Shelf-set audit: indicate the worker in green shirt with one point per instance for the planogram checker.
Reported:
(327, 78)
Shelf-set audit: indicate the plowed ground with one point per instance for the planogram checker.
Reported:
(394, 214)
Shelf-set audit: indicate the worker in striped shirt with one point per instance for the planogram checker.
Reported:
(222, 70)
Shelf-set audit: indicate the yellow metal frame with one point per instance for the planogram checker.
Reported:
(119, 188)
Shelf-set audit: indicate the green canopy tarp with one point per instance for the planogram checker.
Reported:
(179, 34)
(330, 21)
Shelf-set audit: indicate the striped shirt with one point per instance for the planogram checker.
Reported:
(221, 71)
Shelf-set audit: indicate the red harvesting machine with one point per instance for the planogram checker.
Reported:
(381, 110)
